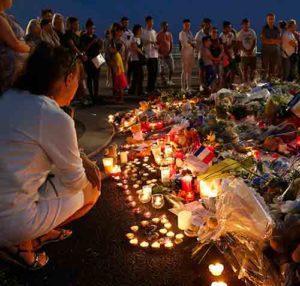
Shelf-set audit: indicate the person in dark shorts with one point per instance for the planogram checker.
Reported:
(247, 41)
(271, 40)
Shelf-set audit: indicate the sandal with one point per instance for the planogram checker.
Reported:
(63, 234)
(18, 260)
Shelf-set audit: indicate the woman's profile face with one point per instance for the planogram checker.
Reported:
(71, 84)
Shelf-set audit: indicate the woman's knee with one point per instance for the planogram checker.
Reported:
(91, 195)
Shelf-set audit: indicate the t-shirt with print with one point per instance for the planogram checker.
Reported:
(164, 42)
(287, 48)
(248, 39)
(228, 42)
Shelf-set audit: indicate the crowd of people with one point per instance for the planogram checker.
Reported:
(45, 182)
(129, 54)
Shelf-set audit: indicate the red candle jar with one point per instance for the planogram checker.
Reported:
(186, 183)
(179, 154)
(159, 125)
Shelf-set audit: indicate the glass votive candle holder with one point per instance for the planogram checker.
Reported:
(145, 195)
(158, 201)
(108, 164)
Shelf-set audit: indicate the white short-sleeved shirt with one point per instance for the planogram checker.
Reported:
(287, 49)
(248, 39)
(151, 49)
(227, 41)
(198, 38)
(186, 38)
(35, 137)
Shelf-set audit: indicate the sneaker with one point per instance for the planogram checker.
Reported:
(201, 88)
(171, 83)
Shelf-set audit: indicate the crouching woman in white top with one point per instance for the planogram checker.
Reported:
(38, 139)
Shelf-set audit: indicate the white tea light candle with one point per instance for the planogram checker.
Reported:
(184, 220)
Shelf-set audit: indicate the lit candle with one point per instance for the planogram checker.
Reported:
(165, 174)
(164, 220)
(186, 183)
(134, 228)
(170, 234)
(130, 236)
(116, 172)
(218, 284)
(156, 220)
(108, 164)
(111, 118)
(158, 201)
(163, 231)
(216, 269)
(168, 225)
(144, 223)
(144, 244)
(155, 245)
(134, 241)
(168, 150)
(184, 220)
(179, 236)
(190, 197)
(208, 191)
(169, 244)
(145, 195)
(124, 157)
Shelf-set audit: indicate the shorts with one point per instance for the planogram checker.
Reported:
(249, 62)
(166, 62)
(46, 213)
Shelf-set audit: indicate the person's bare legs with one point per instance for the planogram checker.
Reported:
(91, 196)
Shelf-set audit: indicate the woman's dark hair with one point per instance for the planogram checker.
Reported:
(73, 20)
(186, 21)
(45, 66)
(116, 28)
(45, 22)
(135, 29)
(206, 39)
(89, 23)
(44, 12)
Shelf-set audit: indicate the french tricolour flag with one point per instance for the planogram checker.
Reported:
(205, 154)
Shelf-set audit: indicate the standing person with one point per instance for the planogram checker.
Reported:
(247, 42)
(47, 14)
(91, 45)
(71, 39)
(151, 52)
(33, 32)
(48, 35)
(137, 59)
(208, 63)
(108, 37)
(187, 44)
(58, 24)
(270, 48)
(228, 39)
(127, 37)
(217, 51)
(204, 31)
(289, 51)
(115, 55)
(165, 46)
(13, 49)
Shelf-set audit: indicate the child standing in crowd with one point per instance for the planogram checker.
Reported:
(137, 60)
(187, 55)
(230, 66)
(115, 55)
(247, 42)
(203, 32)
(271, 41)
(165, 46)
(217, 52)
(91, 45)
(289, 52)
(208, 64)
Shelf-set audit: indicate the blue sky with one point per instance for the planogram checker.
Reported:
(108, 11)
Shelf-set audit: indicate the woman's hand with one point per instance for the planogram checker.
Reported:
(92, 172)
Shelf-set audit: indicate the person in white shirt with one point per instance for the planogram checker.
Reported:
(247, 42)
(187, 44)
(289, 48)
(127, 38)
(204, 31)
(39, 140)
(151, 52)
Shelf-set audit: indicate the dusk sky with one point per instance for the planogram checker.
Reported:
(106, 12)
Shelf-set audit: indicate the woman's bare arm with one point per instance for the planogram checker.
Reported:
(8, 37)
